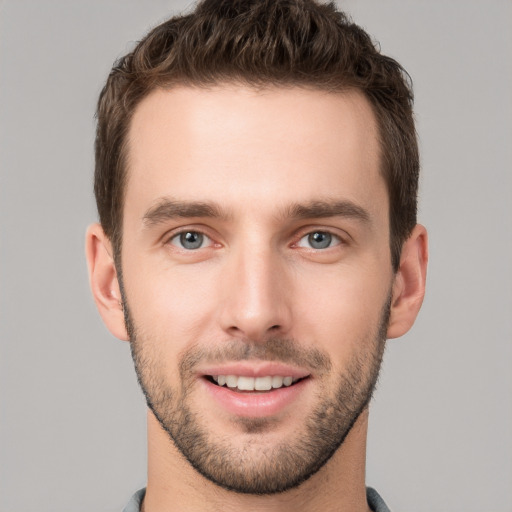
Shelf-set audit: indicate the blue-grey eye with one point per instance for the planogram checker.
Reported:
(319, 240)
(189, 240)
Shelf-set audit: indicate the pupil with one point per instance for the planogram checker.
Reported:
(320, 240)
(191, 240)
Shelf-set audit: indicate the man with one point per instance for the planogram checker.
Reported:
(256, 182)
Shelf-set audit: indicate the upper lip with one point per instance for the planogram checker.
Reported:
(254, 369)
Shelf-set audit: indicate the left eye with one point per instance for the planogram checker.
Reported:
(190, 240)
(319, 240)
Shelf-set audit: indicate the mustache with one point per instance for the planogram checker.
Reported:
(284, 350)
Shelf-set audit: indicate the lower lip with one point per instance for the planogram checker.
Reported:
(255, 404)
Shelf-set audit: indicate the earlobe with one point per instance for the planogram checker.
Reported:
(103, 281)
(409, 283)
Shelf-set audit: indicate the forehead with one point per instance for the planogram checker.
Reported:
(240, 146)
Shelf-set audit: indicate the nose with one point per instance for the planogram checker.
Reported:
(256, 296)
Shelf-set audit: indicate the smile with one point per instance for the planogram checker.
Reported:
(245, 383)
(258, 393)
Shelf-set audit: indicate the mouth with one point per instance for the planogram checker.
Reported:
(247, 384)
(257, 389)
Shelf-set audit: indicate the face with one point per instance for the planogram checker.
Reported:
(256, 275)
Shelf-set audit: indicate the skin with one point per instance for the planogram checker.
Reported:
(256, 154)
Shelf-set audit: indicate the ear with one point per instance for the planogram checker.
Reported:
(104, 282)
(409, 284)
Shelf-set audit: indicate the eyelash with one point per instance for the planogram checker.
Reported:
(178, 235)
(304, 234)
(332, 238)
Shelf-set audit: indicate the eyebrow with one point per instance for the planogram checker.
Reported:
(328, 208)
(168, 209)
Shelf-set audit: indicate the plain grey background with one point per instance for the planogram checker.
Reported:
(72, 420)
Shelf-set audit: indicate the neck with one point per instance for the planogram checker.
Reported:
(174, 485)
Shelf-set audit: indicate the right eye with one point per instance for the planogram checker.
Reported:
(190, 240)
(319, 240)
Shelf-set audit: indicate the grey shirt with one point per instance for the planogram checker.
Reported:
(374, 500)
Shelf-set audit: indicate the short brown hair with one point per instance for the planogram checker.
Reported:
(261, 42)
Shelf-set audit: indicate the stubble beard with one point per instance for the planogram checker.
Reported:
(257, 468)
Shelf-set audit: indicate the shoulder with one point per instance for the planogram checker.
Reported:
(136, 501)
(375, 502)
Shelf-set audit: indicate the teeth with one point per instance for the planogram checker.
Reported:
(231, 381)
(254, 383)
(246, 383)
(262, 383)
(277, 382)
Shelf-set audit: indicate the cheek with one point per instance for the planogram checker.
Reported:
(170, 303)
(341, 311)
